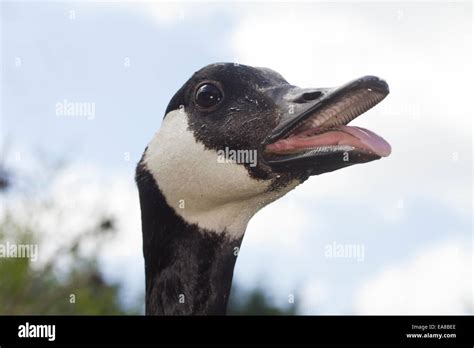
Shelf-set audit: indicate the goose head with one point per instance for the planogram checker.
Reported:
(235, 138)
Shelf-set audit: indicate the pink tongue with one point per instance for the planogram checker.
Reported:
(374, 142)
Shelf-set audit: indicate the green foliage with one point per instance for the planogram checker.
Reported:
(255, 302)
(27, 287)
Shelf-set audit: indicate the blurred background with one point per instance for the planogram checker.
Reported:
(66, 175)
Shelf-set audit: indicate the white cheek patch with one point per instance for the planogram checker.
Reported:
(198, 186)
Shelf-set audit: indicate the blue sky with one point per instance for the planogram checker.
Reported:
(408, 208)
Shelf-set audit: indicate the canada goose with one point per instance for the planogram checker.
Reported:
(199, 186)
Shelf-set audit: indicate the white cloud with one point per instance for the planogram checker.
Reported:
(314, 297)
(283, 224)
(438, 280)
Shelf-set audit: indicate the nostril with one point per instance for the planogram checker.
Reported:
(308, 96)
(312, 95)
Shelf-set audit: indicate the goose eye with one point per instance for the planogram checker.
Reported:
(208, 95)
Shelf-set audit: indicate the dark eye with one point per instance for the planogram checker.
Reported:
(208, 95)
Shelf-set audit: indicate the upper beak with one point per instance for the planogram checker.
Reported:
(298, 103)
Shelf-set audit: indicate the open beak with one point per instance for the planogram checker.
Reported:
(312, 133)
